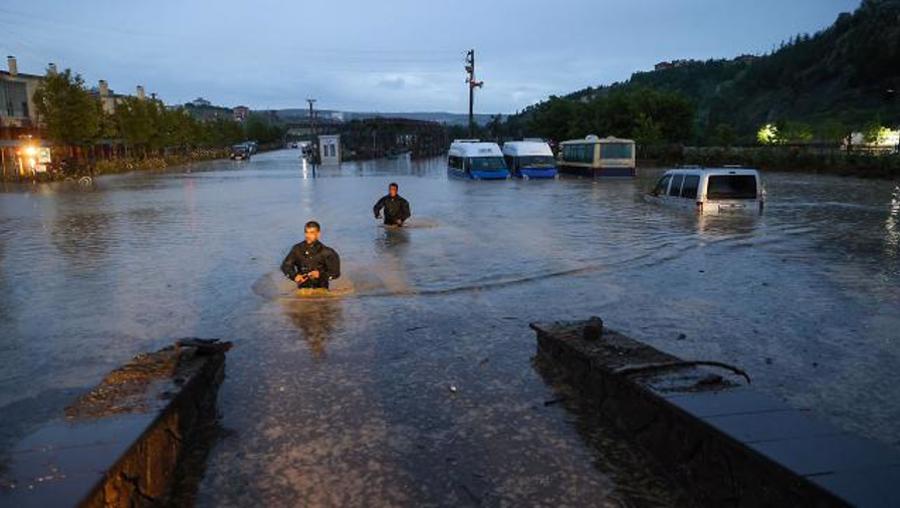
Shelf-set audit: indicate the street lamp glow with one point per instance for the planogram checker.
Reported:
(767, 134)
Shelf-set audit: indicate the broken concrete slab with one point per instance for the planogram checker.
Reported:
(733, 445)
(121, 444)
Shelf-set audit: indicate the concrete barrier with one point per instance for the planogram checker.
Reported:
(728, 444)
(123, 443)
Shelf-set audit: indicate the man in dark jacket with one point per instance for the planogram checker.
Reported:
(311, 264)
(396, 209)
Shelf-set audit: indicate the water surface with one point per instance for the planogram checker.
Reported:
(349, 400)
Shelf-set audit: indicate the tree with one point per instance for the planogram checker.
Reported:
(137, 120)
(67, 111)
(724, 135)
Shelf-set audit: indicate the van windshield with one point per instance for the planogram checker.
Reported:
(486, 164)
(731, 187)
(537, 161)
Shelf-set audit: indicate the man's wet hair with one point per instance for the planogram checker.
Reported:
(313, 225)
(394, 185)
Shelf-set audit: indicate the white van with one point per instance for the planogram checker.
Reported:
(710, 190)
(471, 158)
(530, 158)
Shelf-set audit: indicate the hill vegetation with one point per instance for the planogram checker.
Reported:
(818, 87)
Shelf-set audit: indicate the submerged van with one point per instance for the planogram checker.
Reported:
(471, 158)
(530, 158)
(710, 190)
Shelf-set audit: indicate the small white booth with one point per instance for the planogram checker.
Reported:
(330, 149)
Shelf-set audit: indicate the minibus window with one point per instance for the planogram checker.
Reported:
(661, 185)
(455, 162)
(675, 190)
(689, 189)
(486, 164)
(731, 187)
(616, 150)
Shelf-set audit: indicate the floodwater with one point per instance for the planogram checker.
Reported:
(415, 385)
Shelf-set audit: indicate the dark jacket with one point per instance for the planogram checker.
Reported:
(395, 208)
(304, 258)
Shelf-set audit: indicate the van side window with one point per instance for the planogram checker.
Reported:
(675, 189)
(453, 162)
(661, 185)
(689, 189)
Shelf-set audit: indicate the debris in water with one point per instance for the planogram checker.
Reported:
(453, 388)
(681, 336)
(555, 401)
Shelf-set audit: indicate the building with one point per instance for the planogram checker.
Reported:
(200, 102)
(109, 100)
(240, 113)
(17, 89)
(330, 149)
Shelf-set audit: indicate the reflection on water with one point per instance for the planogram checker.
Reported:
(892, 226)
(315, 319)
(345, 399)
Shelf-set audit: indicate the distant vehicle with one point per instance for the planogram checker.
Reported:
(295, 145)
(530, 159)
(240, 152)
(253, 146)
(471, 158)
(711, 190)
(596, 157)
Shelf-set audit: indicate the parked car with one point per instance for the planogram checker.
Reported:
(710, 190)
(240, 152)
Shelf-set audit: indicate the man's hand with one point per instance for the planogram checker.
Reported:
(399, 223)
(313, 274)
(299, 279)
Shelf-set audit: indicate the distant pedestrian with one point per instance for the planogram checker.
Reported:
(396, 209)
(312, 264)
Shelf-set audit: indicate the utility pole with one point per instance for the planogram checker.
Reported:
(314, 142)
(473, 84)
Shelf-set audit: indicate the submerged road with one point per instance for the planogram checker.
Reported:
(348, 400)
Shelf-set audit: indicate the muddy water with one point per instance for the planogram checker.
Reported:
(348, 399)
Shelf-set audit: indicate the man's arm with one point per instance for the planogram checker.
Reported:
(289, 265)
(332, 265)
(404, 206)
(378, 206)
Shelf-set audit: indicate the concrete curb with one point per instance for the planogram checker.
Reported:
(732, 445)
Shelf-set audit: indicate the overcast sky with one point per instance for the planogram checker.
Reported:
(387, 55)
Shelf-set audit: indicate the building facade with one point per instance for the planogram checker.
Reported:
(17, 97)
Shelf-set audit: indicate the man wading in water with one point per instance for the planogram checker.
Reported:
(310, 263)
(396, 209)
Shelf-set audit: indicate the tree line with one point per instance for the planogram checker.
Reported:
(73, 116)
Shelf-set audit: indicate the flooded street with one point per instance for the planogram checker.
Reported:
(348, 400)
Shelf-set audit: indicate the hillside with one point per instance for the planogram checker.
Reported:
(844, 77)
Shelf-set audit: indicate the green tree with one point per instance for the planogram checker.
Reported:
(137, 120)
(67, 110)
(724, 135)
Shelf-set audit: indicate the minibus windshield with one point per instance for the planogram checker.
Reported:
(536, 161)
(487, 164)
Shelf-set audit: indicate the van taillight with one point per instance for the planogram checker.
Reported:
(700, 206)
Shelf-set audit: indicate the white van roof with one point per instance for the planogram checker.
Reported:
(528, 147)
(712, 171)
(466, 148)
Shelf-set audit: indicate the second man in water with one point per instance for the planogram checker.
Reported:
(396, 209)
